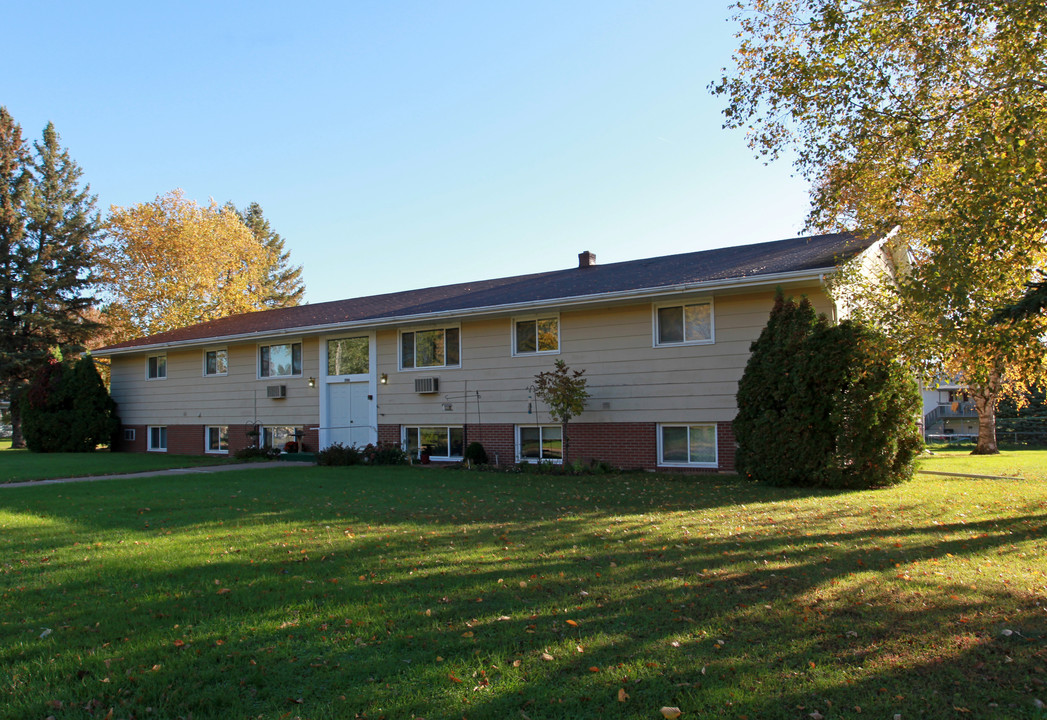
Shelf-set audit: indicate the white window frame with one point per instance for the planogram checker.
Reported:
(541, 442)
(129, 434)
(683, 304)
(149, 438)
(716, 445)
(301, 351)
(207, 439)
(158, 376)
(438, 458)
(534, 318)
(208, 351)
(415, 331)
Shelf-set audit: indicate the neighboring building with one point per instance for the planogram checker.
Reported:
(949, 412)
(663, 342)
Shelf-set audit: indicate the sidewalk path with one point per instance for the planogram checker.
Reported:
(204, 469)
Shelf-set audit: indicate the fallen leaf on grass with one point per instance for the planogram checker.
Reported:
(572, 623)
(622, 695)
(455, 679)
(671, 713)
(547, 657)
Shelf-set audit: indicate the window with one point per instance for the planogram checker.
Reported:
(129, 434)
(348, 356)
(280, 360)
(216, 362)
(536, 335)
(157, 439)
(217, 439)
(156, 367)
(430, 348)
(539, 443)
(278, 436)
(683, 324)
(442, 442)
(687, 445)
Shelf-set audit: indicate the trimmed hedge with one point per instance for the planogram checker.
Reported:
(825, 406)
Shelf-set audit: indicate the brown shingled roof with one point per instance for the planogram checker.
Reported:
(740, 262)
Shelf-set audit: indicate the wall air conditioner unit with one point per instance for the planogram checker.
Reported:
(427, 385)
(276, 391)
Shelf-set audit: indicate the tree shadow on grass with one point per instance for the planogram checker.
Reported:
(442, 606)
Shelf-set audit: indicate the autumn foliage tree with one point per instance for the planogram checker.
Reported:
(928, 118)
(171, 263)
(563, 391)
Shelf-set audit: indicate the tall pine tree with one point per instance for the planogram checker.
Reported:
(283, 286)
(14, 192)
(48, 224)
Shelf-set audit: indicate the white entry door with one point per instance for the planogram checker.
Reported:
(348, 413)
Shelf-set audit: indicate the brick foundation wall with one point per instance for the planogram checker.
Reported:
(189, 439)
(625, 445)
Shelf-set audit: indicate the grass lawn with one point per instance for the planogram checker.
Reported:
(406, 592)
(21, 465)
(1028, 464)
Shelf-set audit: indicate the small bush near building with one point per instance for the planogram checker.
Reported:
(338, 454)
(475, 454)
(384, 454)
(68, 409)
(254, 452)
(825, 406)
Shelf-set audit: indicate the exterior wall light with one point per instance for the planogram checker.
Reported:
(312, 382)
(384, 378)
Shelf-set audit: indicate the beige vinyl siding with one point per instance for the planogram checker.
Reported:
(630, 380)
(186, 396)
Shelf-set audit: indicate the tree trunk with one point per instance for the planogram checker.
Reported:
(17, 441)
(563, 443)
(985, 404)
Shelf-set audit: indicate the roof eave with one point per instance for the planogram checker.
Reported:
(816, 274)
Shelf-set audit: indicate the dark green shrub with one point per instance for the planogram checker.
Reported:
(475, 454)
(338, 454)
(68, 409)
(777, 440)
(825, 406)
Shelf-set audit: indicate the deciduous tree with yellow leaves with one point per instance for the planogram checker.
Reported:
(171, 263)
(928, 118)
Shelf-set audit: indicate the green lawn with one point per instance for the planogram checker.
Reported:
(406, 592)
(1028, 464)
(21, 465)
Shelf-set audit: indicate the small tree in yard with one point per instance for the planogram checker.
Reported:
(823, 405)
(563, 391)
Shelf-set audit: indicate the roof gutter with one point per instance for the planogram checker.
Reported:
(815, 275)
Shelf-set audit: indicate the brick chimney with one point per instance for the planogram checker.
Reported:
(586, 259)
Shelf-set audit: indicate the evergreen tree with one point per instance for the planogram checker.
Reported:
(67, 408)
(823, 405)
(47, 263)
(14, 192)
(773, 428)
(283, 285)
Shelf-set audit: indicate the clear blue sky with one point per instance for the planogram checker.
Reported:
(398, 145)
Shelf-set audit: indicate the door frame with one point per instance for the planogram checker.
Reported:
(371, 378)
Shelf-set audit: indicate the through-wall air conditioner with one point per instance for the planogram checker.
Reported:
(276, 391)
(426, 385)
